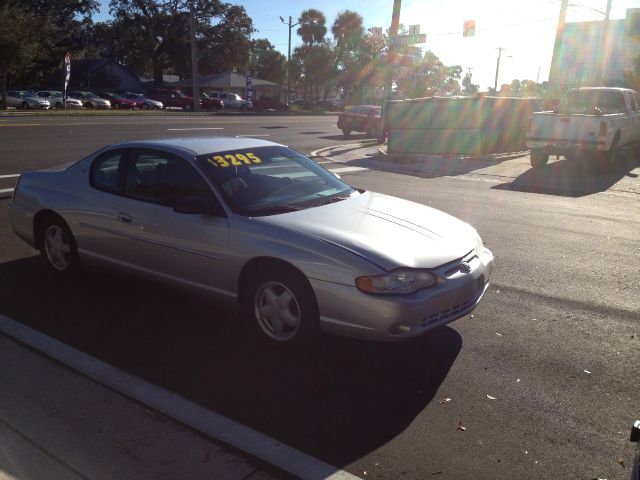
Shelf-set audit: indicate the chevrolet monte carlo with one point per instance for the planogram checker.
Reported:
(264, 229)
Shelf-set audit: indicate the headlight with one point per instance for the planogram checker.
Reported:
(401, 281)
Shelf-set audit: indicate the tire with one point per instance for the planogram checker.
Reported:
(187, 107)
(346, 132)
(58, 247)
(24, 106)
(281, 307)
(58, 105)
(607, 161)
(88, 106)
(539, 158)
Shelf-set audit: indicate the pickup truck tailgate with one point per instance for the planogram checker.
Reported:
(555, 126)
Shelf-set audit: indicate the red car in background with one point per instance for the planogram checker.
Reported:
(118, 101)
(173, 99)
(210, 103)
(269, 103)
(361, 118)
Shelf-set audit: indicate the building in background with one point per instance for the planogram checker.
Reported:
(597, 53)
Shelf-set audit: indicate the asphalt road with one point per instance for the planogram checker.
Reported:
(543, 377)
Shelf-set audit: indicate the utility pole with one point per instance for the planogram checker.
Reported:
(553, 72)
(291, 25)
(194, 59)
(391, 56)
(607, 50)
(495, 83)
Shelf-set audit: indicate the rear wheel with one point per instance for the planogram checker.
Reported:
(281, 307)
(606, 161)
(346, 132)
(58, 247)
(539, 158)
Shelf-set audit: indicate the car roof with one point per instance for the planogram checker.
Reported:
(197, 145)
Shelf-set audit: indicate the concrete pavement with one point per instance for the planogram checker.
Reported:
(58, 424)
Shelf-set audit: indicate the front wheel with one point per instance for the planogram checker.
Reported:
(58, 247)
(281, 307)
(539, 158)
(24, 106)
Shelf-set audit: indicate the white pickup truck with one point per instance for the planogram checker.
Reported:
(591, 121)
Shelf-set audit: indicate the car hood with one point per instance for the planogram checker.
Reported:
(391, 232)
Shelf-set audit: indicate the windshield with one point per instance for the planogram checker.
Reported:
(594, 101)
(270, 180)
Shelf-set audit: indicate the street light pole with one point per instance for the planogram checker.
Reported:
(194, 59)
(495, 83)
(291, 25)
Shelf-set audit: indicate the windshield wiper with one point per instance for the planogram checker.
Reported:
(334, 200)
(273, 210)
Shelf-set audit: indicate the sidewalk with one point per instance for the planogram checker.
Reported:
(58, 424)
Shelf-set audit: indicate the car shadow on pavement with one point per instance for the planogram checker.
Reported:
(338, 401)
(433, 166)
(567, 178)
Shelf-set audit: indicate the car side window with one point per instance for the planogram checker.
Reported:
(104, 171)
(162, 178)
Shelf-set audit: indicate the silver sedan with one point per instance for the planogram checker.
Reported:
(24, 99)
(262, 228)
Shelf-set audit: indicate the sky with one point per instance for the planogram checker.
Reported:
(524, 29)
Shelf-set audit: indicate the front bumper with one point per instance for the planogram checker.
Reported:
(344, 310)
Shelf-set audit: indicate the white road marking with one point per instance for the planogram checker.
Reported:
(6, 190)
(13, 175)
(349, 169)
(206, 421)
(197, 128)
(254, 135)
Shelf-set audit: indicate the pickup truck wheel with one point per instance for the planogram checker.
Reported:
(607, 160)
(539, 158)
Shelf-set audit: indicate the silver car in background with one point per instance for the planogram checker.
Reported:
(262, 227)
(25, 100)
(90, 100)
(144, 102)
(56, 99)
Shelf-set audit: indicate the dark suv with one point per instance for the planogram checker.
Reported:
(361, 118)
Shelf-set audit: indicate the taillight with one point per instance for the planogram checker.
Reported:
(603, 129)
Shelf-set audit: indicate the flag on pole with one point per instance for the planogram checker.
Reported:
(249, 86)
(67, 75)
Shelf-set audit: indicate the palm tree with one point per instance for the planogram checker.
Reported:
(312, 27)
(347, 29)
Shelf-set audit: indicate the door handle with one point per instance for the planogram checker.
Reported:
(124, 217)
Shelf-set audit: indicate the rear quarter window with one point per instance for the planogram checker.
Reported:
(104, 171)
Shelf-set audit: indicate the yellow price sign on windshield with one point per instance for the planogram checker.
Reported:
(234, 159)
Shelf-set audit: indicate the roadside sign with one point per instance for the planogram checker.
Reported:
(408, 39)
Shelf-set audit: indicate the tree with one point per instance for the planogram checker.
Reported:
(348, 35)
(469, 88)
(17, 47)
(157, 34)
(266, 62)
(56, 28)
(312, 27)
